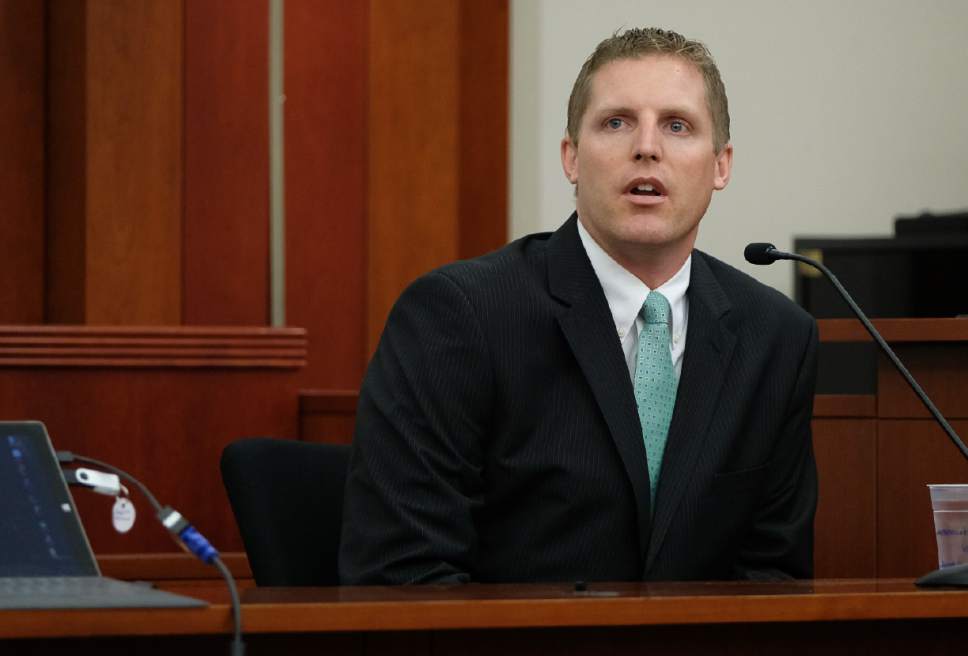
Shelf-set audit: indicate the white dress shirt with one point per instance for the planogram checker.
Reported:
(626, 294)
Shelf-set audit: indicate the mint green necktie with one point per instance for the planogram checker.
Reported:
(655, 382)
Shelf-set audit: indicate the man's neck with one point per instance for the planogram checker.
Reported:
(652, 264)
(654, 270)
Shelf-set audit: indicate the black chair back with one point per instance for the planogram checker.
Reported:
(287, 497)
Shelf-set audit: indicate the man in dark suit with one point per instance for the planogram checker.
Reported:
(603, 402)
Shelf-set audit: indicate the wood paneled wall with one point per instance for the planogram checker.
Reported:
(326, 202)
(160, 403)
(22, 81)
(413, 155)
(138, 187)
(438, 140)
(484, 127)
(115, 162)
(226, 150)
(65, 144)
(135, 192)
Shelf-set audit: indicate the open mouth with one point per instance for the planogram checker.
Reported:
(644, 190)
(646, 187)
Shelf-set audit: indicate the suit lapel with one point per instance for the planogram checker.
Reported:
(590, 331)
(709, 347)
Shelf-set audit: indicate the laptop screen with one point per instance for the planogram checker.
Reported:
(40, 532)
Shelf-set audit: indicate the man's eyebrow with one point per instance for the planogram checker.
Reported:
(621, 110)
(684, 111)
(613, 110)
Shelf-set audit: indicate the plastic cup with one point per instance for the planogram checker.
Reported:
(950, 505)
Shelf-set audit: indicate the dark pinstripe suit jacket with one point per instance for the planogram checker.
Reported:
(497, 437)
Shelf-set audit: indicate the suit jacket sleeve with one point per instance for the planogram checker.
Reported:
(780, 544)
(415, 472)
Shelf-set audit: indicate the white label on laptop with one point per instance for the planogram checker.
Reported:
(122, 515)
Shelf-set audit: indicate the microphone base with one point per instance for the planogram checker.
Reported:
(955, 576)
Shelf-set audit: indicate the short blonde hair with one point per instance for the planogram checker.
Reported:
(641, 42)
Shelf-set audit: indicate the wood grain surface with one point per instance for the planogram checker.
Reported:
(22, 110)
(475, 606)
(845, 529)
(326, 119)
(895, 330)
(226, 151)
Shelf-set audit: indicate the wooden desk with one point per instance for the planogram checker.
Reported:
(876, 456)
(843, 616)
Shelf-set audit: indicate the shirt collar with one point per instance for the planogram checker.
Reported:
(625, 293)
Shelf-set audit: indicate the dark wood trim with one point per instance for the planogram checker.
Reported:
(483, 157)
(604, 604)
(145, 346)
(895, 330)
(494, 607)
(22, 88)
(329, 401)
(66, 171)
(327, 415)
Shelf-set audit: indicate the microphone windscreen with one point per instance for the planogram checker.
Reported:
(760, 253)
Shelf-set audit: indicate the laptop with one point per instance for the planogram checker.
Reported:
(45, 558)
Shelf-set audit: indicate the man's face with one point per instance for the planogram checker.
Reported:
(644, 164)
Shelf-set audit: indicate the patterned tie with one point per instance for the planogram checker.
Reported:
(655, 382)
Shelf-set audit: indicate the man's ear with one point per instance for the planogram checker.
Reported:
(569, 159)
(724, 166)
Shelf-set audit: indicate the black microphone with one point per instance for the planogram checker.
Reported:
(762, 253)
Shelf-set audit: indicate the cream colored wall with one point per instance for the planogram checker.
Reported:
(844, 113)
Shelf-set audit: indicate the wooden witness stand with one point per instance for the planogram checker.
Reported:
(875, 454)
(804, 617)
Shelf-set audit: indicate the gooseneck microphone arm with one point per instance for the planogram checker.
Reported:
(767, 254)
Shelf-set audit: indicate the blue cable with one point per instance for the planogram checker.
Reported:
(185, 534)
(189, 536)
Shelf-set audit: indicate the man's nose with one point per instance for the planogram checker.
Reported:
(647, 144)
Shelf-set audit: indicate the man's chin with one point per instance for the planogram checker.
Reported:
(658, 242)
(651, 237)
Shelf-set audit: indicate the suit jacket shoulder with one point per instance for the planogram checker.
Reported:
(751, 299)
(494, 278)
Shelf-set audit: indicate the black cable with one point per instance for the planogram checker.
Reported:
(238, 647)
(184, 533)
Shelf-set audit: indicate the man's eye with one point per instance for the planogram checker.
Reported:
(614, 123)
(677, 126)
